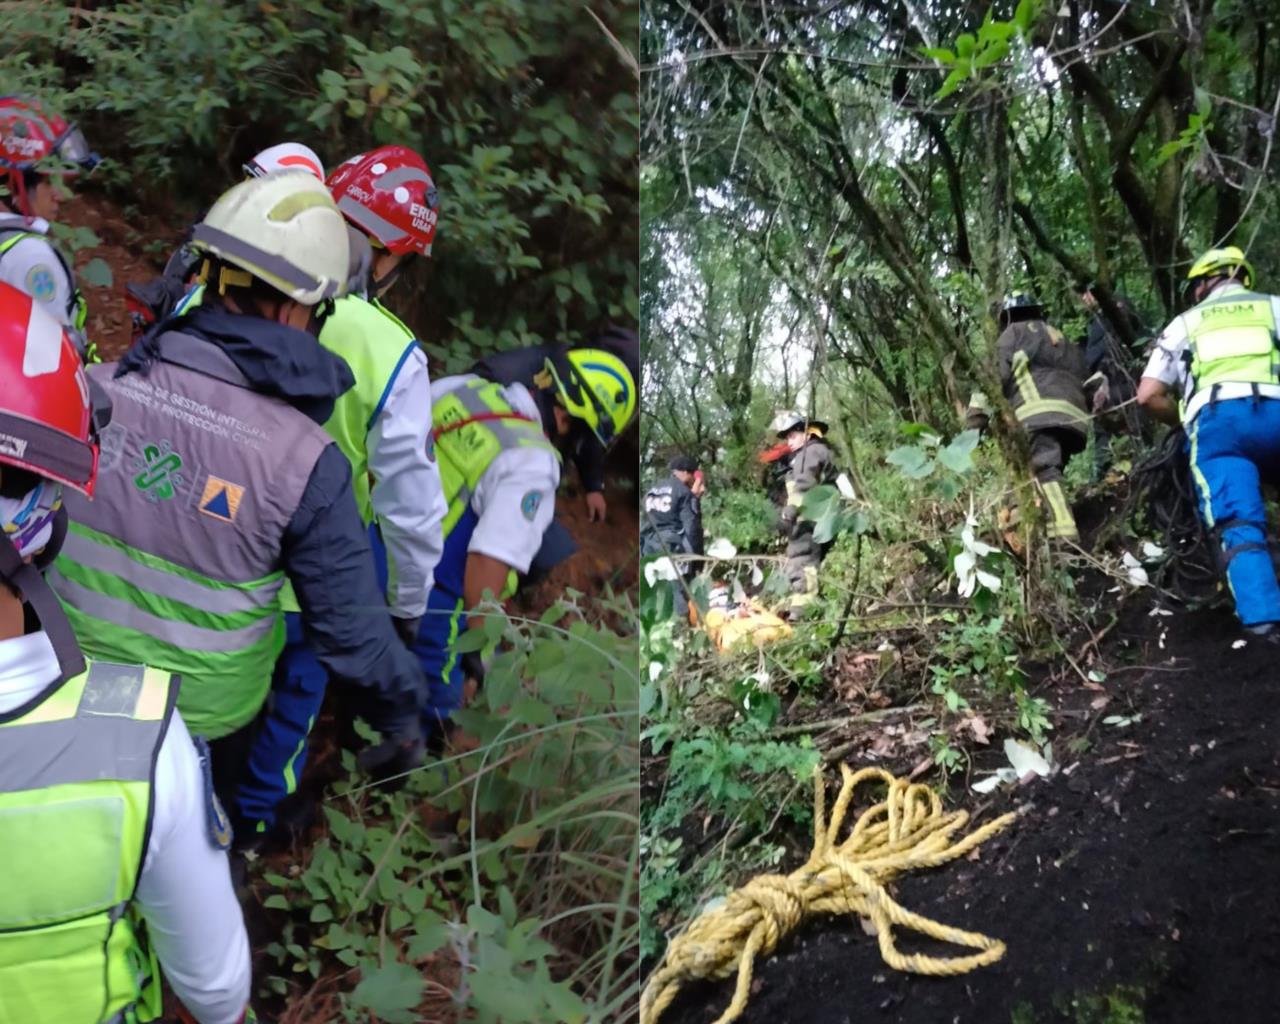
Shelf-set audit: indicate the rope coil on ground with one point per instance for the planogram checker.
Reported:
(906, 831)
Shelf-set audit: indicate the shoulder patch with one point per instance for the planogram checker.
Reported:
(529, 504)
(218, 825)
(40, 283)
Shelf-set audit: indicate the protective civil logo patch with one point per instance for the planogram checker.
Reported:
(221, 499)
(40, 283)
(158, 477)
(529, 504)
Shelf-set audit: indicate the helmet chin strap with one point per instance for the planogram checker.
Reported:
(27, 578)
(378, 285)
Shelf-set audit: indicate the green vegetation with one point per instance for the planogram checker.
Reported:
(509, 870)
(500, 884)
(526, 114)
(834, 201)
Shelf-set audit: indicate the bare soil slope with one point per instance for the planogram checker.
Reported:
(1141, 885)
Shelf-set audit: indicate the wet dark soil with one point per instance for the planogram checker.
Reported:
(1140, 884)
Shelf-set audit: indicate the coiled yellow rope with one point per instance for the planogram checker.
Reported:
(905, 831)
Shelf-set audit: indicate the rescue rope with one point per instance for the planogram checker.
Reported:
(905, 831)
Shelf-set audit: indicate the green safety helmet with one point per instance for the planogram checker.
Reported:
(596, 387)
(1226, 262)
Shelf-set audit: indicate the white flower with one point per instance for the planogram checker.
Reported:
(967, 571)
(660, 569)
(1137, 575)
(721, 548)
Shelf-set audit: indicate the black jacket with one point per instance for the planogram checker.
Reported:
(1096, 351)
(325, 550)
(671, 520)
(521, 366)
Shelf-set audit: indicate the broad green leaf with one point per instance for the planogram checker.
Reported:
(912, 461)
(430, 932)
(392, 992)
(958, 455)
(96, 273)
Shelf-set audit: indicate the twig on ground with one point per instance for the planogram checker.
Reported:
(829, 724)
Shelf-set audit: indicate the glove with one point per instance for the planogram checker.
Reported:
(1102, 397)
(391, 760)
(407, 629)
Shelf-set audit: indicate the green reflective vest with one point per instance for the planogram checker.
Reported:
(1231, 339)
(375, 345)
(473, 425)
(76, 793)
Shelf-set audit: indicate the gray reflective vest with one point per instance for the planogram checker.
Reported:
(176, 562)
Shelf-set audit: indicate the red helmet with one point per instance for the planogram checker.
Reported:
(29, 136)
(49, 414)
(389, 194)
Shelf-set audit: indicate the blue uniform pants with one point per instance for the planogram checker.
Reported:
(1234, 445)
(443, 623)
(278, 751)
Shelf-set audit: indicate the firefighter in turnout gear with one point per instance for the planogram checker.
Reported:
(1042, 374)
(222, 484)
(812, 463)
(115, 857)
(1216, 369)
(671, 522)
(497, 449)
(38, 152)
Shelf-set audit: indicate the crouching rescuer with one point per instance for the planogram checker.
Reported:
(498, 448)
(219, 482)
(1222, 357)
(114, 858)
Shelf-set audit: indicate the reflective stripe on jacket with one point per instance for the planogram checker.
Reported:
(1043, 377)
(76, 795)
(177, 562)
(1231, 339)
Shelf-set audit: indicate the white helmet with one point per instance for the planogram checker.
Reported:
(287, 156)
(788, 420)
(283, 229)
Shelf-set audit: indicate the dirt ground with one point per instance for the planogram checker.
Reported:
(1139, 885)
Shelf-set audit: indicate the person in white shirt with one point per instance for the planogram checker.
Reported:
(115, 847)
(496, 446)
(37, 148)
(1216, 370)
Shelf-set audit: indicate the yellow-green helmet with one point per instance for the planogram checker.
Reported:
(1224, 262)
(596, 388)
